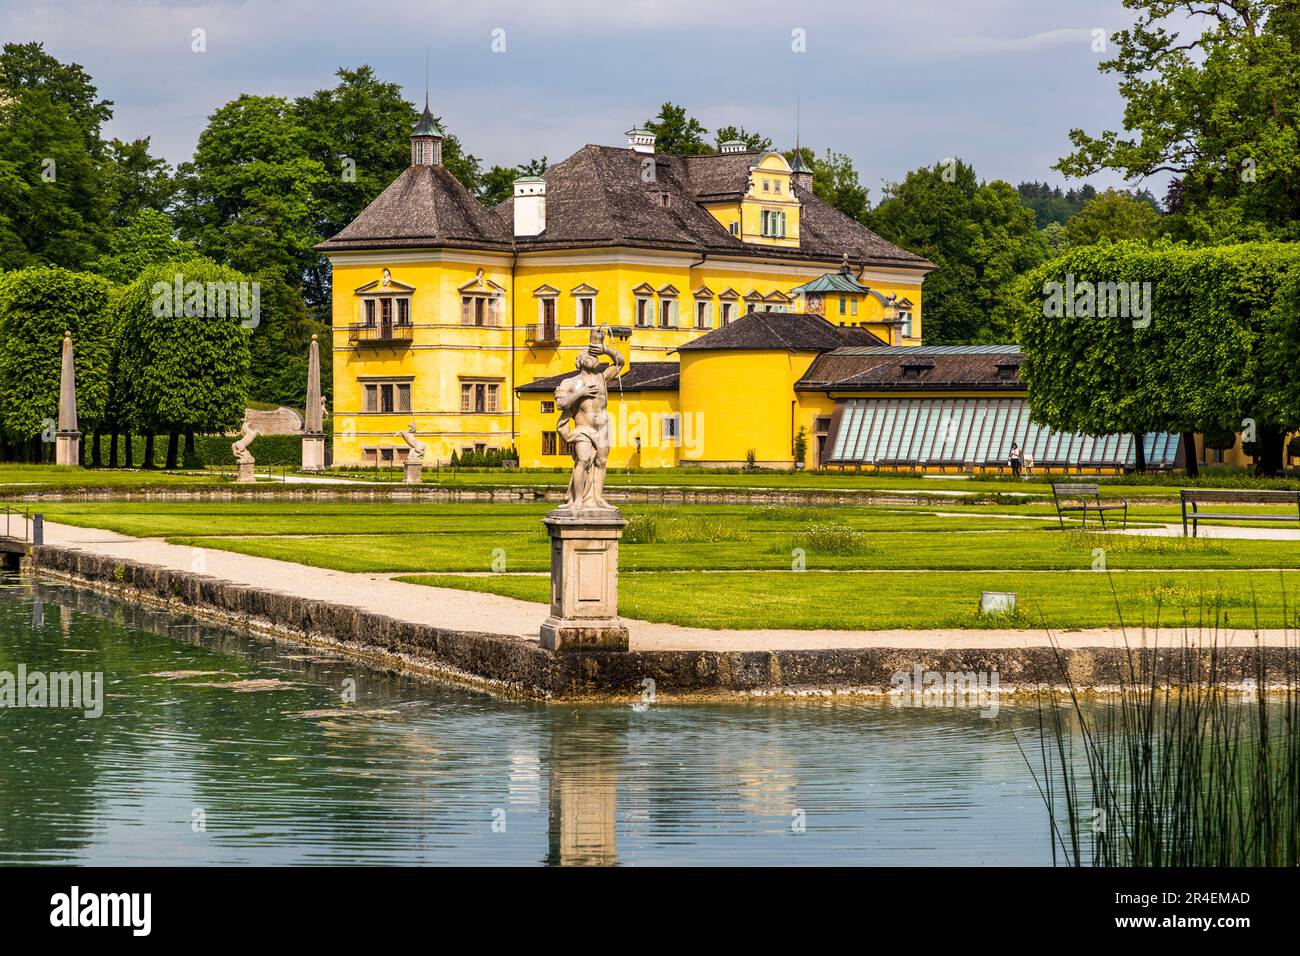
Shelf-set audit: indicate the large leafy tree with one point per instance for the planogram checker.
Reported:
(251, 199)
(1214, 348)
(1114, 214)
(181, 369)
(137, 180)
(1212, 95)
(36, 306)
(677, 134)
(835, 181)
(68, 87)
(981, 237)
(146, 239)
(498, 183)
(358, 133)
(753, 140)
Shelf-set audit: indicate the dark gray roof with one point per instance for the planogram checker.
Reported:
(640, 376)
(599, 196)
(791, 331)
(424, 206)
(916, 367)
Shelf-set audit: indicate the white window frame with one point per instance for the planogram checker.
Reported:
(643, 309)
(577, 311)
(703, 318)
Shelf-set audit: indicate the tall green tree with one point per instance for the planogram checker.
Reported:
(137, 180)
(677, 134)
(981, 237)
(498, 183)
(36, 306)
(146, 239)
(358, 133)
(1212, 96)
(1114, 214)
(754, 141)
(26, 66)
(1212, 347)
(183, 367)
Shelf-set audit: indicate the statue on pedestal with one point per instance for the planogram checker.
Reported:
(415, 456)
(583, 401)
(240, 448)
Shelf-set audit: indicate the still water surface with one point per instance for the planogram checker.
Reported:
(179, 773)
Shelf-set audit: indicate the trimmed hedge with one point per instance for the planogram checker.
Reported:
(214, 450)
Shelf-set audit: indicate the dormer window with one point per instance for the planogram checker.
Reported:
(1008, 371)
(913, 370)
(773, 224)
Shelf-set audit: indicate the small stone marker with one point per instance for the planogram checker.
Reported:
(997, 602)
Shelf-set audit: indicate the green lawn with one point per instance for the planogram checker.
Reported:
(735, 565)
(876, 601)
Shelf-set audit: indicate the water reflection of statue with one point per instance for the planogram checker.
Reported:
(417, 448)
(242, 455)
(583, 400)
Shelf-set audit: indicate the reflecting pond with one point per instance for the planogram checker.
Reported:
(190, 764)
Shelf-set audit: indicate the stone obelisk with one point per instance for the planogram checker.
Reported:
(313, 439)
(67, 447)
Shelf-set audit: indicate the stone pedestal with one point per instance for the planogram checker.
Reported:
(584, 581)
(67, 448)
(313, 452)
(247, 473)
(414, 469)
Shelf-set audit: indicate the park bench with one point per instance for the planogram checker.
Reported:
(1084, 496)
(1199, 496)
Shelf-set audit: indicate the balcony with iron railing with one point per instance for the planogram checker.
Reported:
(386, 334)
(542, 333)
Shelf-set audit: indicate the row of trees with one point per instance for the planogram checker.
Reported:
(141, 369)
(1167, 337)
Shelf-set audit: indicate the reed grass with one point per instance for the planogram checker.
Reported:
(1195, 762)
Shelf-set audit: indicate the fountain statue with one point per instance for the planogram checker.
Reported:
(414, 455)
(243, 457)
(583, 401)
(585, 530)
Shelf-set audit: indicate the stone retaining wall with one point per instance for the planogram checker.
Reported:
(513, 665)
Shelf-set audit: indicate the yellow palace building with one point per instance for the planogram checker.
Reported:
(759, 324)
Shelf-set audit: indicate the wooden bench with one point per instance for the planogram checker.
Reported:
(1199, 496)
(1084, 497)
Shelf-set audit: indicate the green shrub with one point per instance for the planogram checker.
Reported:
(831, 539)
(654, 527)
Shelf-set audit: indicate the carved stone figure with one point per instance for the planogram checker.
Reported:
(583, 401)
(417, 448)
(242, 455)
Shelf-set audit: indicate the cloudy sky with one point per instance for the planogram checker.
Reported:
(894, 83)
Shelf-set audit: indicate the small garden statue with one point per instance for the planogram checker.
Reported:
(583, 401)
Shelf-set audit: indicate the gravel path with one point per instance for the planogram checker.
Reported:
(473, 611)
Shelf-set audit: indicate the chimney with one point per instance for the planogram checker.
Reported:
(530, 206)
(732, 146)
(641, 140)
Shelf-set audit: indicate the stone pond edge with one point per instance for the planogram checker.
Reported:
(514, 666)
